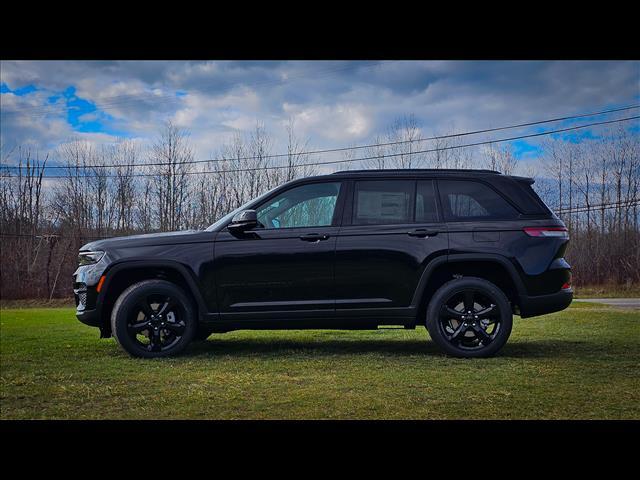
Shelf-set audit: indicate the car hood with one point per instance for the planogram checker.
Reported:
(149, 239)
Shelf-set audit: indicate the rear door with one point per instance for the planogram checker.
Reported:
(386, 239)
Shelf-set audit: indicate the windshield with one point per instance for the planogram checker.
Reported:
(227, 218)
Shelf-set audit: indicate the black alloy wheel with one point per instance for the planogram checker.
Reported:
(469, 317)
(153, 318)
(156, 323)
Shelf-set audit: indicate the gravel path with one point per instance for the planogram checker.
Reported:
(633, 303)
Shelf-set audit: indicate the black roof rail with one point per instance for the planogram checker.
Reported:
(419, 170)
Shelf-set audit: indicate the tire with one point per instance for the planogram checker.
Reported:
(481, 333)
(202, 333)
(153, 318)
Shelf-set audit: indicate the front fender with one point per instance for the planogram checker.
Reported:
(187, 275)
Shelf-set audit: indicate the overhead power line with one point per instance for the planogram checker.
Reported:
(334, 162)
(55, 235)
(602, 206)
(342, 149)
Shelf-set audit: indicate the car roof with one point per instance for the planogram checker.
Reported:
(416, 171)
(404, 172)
(491, 176)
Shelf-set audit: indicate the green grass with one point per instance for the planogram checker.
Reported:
(579, 364)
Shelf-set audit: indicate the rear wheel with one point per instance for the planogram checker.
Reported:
(153, 318)
(469, 317)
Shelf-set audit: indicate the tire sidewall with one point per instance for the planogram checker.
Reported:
(456, 286)
(127, 301)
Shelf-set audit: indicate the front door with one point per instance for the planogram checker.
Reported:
(285, 266)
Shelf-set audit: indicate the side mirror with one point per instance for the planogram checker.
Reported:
(243, 221)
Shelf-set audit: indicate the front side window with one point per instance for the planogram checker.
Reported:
(310, 205)
(468, 200)
(381, 202)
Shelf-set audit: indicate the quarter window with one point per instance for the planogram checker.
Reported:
(468, 200)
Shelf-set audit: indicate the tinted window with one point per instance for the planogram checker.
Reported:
(383, 202)
(310, 205)
(467, 200)
(426, 210)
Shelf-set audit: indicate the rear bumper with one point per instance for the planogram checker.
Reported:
(542, 304)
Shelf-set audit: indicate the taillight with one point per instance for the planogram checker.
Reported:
(557, 232)
(566, 286)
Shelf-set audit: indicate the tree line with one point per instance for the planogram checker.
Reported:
(591, 183)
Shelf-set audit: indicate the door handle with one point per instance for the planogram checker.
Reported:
(422, 233)
(313, 237)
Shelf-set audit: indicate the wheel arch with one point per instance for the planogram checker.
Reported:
(122, 275)
(440, 270)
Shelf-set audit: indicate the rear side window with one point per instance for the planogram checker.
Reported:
(467, 200)
(381, 202)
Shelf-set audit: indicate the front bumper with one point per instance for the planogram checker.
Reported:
(543, 304)
(86, 298)
(90, 317)
(87, 310)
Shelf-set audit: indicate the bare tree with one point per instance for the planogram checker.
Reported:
(296, 156)
(170, 184)
(125, 157)
(500, 158)
(405, 129)
(377, 154)
(22, 209)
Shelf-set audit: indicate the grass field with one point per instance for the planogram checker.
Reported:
(583, 363)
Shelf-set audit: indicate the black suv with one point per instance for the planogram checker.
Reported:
(456, 251)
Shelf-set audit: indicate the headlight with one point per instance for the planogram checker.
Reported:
(89, 258)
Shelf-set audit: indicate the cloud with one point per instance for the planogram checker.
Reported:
(341, 123)
(332, 103)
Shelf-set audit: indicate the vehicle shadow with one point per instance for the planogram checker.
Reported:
(547, 349)
(288, 347)
(319, 347)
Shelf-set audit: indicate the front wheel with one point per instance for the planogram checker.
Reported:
(469, 317)
(153, 318)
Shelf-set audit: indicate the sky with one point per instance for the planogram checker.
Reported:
(332, 103)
